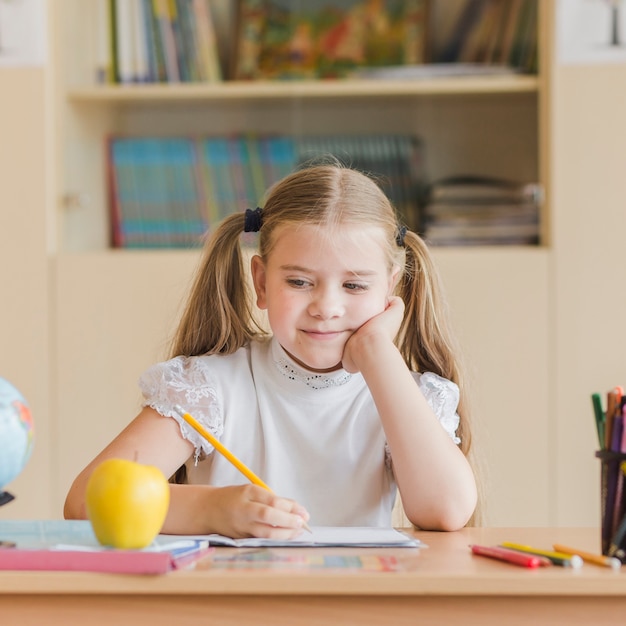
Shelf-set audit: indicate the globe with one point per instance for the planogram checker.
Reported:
(16, 435)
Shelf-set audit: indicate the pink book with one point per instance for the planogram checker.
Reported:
(110, 561)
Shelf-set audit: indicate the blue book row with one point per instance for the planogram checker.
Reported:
(168, 192)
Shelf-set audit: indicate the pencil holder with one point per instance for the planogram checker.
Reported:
(613, 503)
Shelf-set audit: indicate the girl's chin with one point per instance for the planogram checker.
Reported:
(316, 368)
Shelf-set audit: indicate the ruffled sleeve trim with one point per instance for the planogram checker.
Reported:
(188, 382)
(443, 397)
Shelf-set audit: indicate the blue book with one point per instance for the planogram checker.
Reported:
(280, 153)
(218, 161)
(156, 197)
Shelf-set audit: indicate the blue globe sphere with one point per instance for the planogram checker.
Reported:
(16, 434)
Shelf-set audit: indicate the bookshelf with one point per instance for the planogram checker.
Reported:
(121, 305)
(500, 113)
(450, 114)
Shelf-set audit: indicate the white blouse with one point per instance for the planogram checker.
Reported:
(316, 438)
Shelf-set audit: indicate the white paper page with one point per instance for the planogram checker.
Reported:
(328, 536)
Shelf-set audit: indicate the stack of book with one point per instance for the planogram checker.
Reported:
(471, 210)
(167, 192)
(70, 545)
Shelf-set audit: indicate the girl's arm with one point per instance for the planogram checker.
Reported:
(236, 511)
(435, 480)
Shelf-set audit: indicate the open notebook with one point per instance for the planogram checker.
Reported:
(71, 544)
(327, 536)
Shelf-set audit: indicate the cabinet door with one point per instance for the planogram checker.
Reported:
(500, 308)
(114, 315)
(23, 272)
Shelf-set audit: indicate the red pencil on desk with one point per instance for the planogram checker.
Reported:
(510, 556)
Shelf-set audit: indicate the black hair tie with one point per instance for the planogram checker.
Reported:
(253, 220)
(400, 236)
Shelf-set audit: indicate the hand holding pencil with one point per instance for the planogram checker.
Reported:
(219, 447)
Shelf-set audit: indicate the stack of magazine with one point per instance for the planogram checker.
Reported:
(473, 210)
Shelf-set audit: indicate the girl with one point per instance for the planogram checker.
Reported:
(355, 391)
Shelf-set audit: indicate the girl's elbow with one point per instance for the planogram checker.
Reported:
(454, 520)
(449, 514)
(74, 506)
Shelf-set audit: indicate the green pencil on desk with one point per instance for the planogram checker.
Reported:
(224, 451)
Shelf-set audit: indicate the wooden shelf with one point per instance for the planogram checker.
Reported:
(266, 90)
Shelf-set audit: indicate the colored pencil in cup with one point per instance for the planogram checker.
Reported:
(224, 451)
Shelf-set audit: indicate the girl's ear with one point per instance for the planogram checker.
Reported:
(259, 280)
(396, 274)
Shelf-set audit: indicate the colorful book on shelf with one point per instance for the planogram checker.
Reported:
(322, 39)
(104, 60)
(70, 545)
(160, 41)
(187, 41)
(216, 160)
(166, 192)
(394, 160)
(165, 31)
(155, 195)
(206, 41)
(465, 27)
(502, 33)
(154, 50)
(154, 42)
(279, 155)
(131, 48)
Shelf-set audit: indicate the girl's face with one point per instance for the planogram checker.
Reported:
(318, 291)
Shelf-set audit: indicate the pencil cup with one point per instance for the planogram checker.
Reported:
(613, 503)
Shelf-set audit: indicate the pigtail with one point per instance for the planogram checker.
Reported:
(425, 340)
(218, 317)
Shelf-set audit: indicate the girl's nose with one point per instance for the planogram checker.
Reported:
(326, 304)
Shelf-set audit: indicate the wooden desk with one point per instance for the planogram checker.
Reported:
(439, 585)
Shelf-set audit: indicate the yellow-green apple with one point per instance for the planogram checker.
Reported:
(126, 503)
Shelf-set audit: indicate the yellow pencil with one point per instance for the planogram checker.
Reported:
(557, 558)
(596, 559)
(244, 469)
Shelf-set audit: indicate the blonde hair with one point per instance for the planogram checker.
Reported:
(219, 316)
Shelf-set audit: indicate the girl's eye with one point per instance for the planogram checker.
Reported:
(355, 286)
(297, 282)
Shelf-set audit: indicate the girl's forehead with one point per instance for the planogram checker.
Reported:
(326, 237)
(342, 246)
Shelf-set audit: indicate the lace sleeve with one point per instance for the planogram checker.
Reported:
(443, 397)
(186, 381)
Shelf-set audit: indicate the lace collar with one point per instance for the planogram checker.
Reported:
(292, 371)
